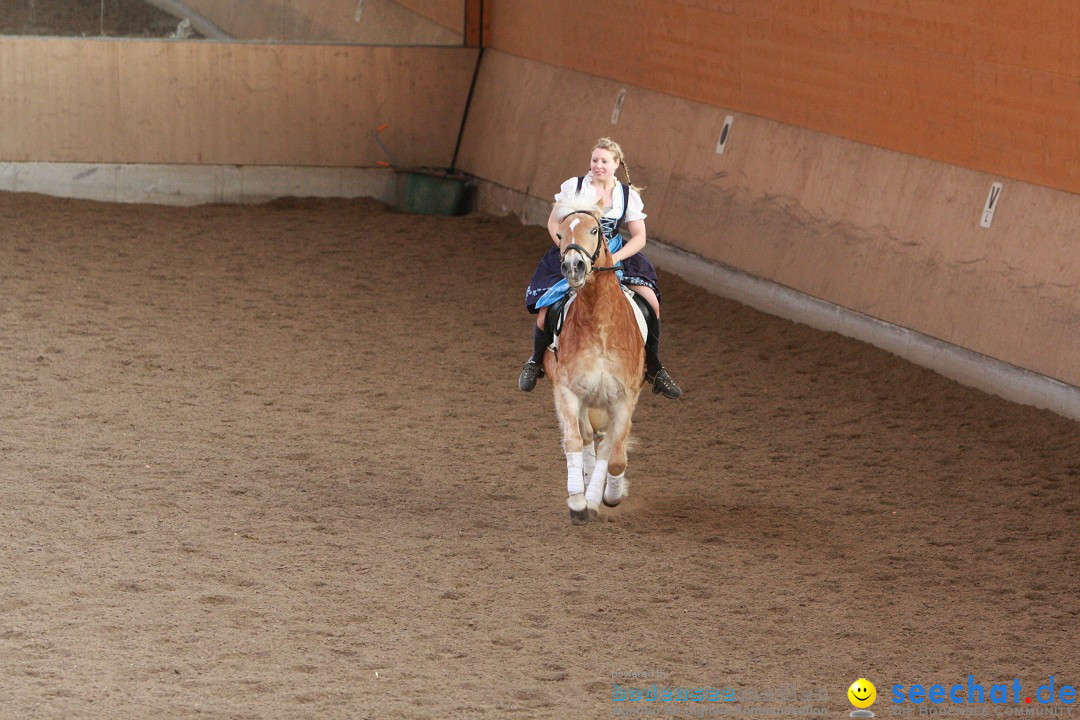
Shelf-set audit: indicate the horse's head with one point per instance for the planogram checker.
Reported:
(581, 243)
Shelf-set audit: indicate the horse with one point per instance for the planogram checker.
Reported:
(597, 372)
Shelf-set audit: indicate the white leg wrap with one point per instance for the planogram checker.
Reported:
(575, 479)
(596, 482)
(613, 493)
(588, 458)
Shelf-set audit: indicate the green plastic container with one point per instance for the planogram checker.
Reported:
(433, 192)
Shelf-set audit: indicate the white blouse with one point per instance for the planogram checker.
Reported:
(634, 205)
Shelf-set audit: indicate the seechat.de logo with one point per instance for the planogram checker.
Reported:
(973, 693)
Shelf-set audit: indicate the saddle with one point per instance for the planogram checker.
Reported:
(556, 314)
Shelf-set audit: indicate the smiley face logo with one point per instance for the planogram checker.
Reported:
(862, 693)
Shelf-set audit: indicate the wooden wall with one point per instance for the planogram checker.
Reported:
(890, 235)
(992, 86)
(80, 100)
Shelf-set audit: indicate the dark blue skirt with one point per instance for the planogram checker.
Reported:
(636, 270)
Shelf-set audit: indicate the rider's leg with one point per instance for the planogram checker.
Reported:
(649, 294)
(654, 369)
(534, 367)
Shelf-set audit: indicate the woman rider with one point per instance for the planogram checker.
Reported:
(622, 208)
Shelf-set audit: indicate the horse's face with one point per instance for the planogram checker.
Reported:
(580, 244)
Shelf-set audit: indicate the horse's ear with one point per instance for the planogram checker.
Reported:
(600, 205)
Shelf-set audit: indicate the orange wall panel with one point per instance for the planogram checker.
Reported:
(902, 91)
(1039, 36)
(938, 26)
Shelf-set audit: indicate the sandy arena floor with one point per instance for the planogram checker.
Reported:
(272, 462)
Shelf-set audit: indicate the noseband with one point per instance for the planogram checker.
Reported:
(596, 254)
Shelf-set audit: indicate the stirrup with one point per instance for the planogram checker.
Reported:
(664, 385)
(531, 371)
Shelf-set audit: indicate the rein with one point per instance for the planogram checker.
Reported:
(596, 254)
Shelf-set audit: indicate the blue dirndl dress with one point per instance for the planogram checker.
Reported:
(548, 285)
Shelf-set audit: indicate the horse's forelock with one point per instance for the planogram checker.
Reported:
(577, 205)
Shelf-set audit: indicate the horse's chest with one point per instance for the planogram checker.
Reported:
(596, 380)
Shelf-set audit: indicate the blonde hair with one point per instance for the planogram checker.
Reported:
(606, 143)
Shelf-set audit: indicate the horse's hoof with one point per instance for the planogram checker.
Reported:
(615, 491)
(594, 511)
(579, 511)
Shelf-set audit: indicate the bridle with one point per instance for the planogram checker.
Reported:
(599, 244)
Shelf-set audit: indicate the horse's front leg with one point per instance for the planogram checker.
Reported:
(597, 474)
(608, 483)
(568, 407)
(588, 446)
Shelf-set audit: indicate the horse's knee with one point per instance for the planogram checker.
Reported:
(586, 429)
(573, 445)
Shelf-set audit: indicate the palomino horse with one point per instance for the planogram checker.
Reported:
(597, 371)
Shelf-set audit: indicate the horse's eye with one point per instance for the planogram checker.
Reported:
(558, 235)
(594, 230)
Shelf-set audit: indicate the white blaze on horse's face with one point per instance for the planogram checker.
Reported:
(579, 235)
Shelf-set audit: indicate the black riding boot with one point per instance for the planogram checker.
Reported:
(654, 369)
(533, 370)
